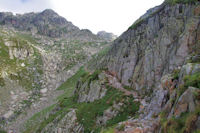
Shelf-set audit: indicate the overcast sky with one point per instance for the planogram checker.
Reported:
(96, 15)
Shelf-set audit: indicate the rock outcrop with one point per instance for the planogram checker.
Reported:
(107, 36)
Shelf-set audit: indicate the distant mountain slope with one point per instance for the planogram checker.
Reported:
(107, 36)
(47, 23)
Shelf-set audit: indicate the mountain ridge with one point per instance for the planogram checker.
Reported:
(47, 22)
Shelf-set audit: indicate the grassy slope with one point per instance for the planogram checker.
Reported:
(87, 113)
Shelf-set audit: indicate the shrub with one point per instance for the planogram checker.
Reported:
(2, 131)
(183, 124)
(192, 80)
(2, 83)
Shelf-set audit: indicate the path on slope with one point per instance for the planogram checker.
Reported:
(114, 82)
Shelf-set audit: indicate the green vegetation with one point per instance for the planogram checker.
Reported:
(5, 58)
(2, 131)
(192, 80)
(186, 122)
(87, 113)
(128, 88)
(182, 124)
(32, 123)
(175, 74)
(27, 103)
(180, 1)
(128, 109)
(27, 37)
(189, 80)
(2, 83)
(25, 75)
(137, 23)
(109, 130)
(71, 82)
(96, 58)
(74, 51)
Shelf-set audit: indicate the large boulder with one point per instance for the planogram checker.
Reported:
(188, 69)
(186, 102)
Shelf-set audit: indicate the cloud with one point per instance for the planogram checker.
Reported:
(23, 1)
(22, 6)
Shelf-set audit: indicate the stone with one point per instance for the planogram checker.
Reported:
(109, 113)
(168, 83)
(43, 90)
(198, 123)
(190, 68)
(12, 93)
(186, 102)
(8, 114)
(23, 65)
(92, 92)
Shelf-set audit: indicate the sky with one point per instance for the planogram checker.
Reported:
(96, 15)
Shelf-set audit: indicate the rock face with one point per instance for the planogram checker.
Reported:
(91, 91)
(186, 103)
(156, 46)
(107, 36)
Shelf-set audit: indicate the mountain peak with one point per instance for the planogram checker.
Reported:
(106, 35)
(49, 12)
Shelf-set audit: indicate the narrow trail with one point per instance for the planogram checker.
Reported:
(114, 82)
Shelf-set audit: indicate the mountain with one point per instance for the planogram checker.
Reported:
(38, 52)
(106, 35)
(147, 81)
(47, 23)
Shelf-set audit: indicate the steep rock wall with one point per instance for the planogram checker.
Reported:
(155, 46)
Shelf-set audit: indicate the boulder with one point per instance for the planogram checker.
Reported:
(8, 114)
(186, 102)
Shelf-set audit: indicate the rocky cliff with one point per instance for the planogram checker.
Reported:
(148, 81)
